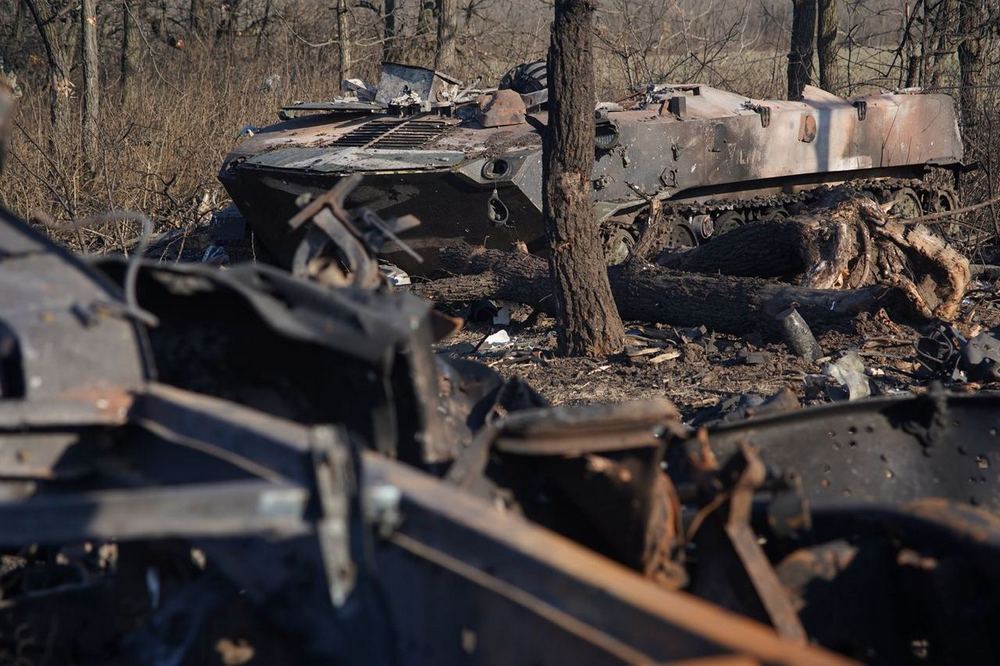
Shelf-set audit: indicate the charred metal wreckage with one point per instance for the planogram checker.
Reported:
(172, 494)
(710, 160)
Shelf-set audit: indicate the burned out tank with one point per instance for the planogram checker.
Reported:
(469, 163)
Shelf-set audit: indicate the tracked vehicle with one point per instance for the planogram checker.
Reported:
(470, 165)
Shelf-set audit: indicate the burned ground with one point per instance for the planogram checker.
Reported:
(697, 369)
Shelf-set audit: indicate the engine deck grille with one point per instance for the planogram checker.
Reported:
(393, 134)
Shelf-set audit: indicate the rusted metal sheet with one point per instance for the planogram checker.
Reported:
(500, 109)
(890, 449)
(900, 549)
(64, 334)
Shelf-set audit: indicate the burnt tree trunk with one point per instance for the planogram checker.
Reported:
(589, 324)
(826, 43)
(343, 41)
(775, 249)
(447, 31)
(826, 247)
(91, 84)
(842, 259)
(644, 292)
(800, 55)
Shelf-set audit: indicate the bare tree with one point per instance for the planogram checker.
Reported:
(91, 83)
(129, 43)
(971, 28)
(589, 323)
(426, 13)
(160, 26)
(58, 38)
(343, 40)
(943, 27)
(388, 29)
(447, 31)
(800, 56)
(198, 18)
(826, 42)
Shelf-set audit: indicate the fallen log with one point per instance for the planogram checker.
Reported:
(783, 248)
(844, 243)
(651, 293)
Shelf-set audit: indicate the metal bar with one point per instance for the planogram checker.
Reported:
(263, 445)
(204, 510)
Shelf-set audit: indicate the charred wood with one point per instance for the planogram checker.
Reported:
(846, 244)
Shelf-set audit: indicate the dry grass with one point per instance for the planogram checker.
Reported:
(160, 148)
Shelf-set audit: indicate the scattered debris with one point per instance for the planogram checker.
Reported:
(980, 357)
(499, 338)
(263, 492)
(502, 317)
(744, 406)
(799, 336)
(752, 357)
(946, 354)
(666, 356)
(849, 374)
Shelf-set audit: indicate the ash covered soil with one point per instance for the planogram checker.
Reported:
(708, 375)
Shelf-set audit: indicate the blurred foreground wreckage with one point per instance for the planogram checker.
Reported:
(240, 466)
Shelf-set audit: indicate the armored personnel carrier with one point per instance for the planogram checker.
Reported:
(469, 163)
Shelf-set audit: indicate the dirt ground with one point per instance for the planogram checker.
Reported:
(704, 373)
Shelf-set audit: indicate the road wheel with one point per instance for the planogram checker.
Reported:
(729, 220)
(773, 215)
(943, 201)
(905, 204)
(618, 246)
(681, 237)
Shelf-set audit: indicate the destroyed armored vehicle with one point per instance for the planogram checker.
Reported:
(470, 165)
